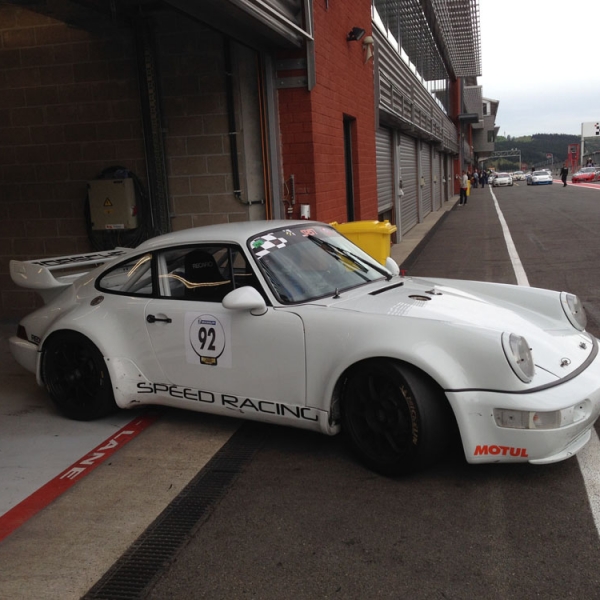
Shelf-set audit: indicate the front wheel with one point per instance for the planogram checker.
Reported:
(76, 377)
(395, 418)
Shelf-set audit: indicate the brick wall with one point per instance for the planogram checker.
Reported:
(312, 123)
(69, 108)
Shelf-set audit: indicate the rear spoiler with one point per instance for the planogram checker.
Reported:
(43, 275)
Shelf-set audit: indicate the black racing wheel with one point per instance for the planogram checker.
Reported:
(76, 377)
(394, 417)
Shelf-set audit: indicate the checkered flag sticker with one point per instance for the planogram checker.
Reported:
(267, 243)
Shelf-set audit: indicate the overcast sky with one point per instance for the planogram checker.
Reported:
(541, 60)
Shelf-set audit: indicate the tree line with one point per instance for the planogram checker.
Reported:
(535, 148)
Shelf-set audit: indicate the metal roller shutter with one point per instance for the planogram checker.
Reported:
(409, 213)
(427, 189)
(385, 170)
(437, 180)
(449, 180)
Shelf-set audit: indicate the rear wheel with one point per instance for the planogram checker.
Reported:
(76, 377)
(395, 418)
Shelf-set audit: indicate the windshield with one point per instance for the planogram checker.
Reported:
(588, 170)
(302, 263)
(541, 174)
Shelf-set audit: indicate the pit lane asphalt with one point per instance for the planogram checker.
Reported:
(303, 520)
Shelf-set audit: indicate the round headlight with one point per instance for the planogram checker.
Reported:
(574, 310)
(518, 354)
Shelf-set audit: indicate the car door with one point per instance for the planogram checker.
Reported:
(200, 344)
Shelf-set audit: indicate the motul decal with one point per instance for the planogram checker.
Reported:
(500, 451)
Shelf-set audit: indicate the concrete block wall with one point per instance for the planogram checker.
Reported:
(196, 124)
(69, 108)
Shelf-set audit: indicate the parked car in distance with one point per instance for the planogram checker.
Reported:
(539, 178)
(502, 180)
(586, 175)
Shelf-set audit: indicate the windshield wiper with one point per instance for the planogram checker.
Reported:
(357, 260)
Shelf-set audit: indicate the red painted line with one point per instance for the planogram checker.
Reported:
(585, 184)
(41, 498)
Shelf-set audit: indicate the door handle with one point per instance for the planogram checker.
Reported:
(153, 319)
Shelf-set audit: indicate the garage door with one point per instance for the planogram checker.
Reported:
(409, 213)
(385, 170)
(437, 180)
(427, 189)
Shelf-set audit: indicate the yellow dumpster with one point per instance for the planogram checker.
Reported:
(374, 237)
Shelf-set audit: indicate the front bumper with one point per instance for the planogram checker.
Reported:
(484, 441)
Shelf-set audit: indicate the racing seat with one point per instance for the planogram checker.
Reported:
(203, 279)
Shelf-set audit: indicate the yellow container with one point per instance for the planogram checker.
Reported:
(374, 237)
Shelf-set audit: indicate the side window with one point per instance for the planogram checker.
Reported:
(133, 277)
(242, 271)
(201, 273)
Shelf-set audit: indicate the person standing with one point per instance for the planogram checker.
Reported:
(464, 183)
(483, 178)
(563, 174)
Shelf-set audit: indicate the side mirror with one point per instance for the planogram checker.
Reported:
(246, 298)
(392, 266)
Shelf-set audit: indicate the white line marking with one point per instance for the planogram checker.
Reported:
(589, 463)
(512, 251)
(589, 457)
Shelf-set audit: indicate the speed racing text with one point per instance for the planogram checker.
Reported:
(229, 401)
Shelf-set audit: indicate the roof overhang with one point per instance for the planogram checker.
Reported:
(277, 23)
(469, 118)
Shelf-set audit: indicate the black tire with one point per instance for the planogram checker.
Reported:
(76, 377)
(395, 418)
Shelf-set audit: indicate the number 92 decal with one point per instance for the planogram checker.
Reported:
(207, 337)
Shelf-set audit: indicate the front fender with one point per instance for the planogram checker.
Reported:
(454, 356)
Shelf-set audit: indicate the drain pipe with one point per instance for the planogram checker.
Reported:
(235, 167)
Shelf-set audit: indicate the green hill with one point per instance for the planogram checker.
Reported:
(534, 149)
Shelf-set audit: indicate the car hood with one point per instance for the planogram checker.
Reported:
(551, 338)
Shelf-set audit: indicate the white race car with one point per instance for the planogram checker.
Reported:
(289, 322)
(502, 179)
(539, 178)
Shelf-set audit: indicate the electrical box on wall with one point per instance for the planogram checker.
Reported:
(112, 204)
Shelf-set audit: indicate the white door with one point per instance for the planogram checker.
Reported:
(202, 345)
(205, 346)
